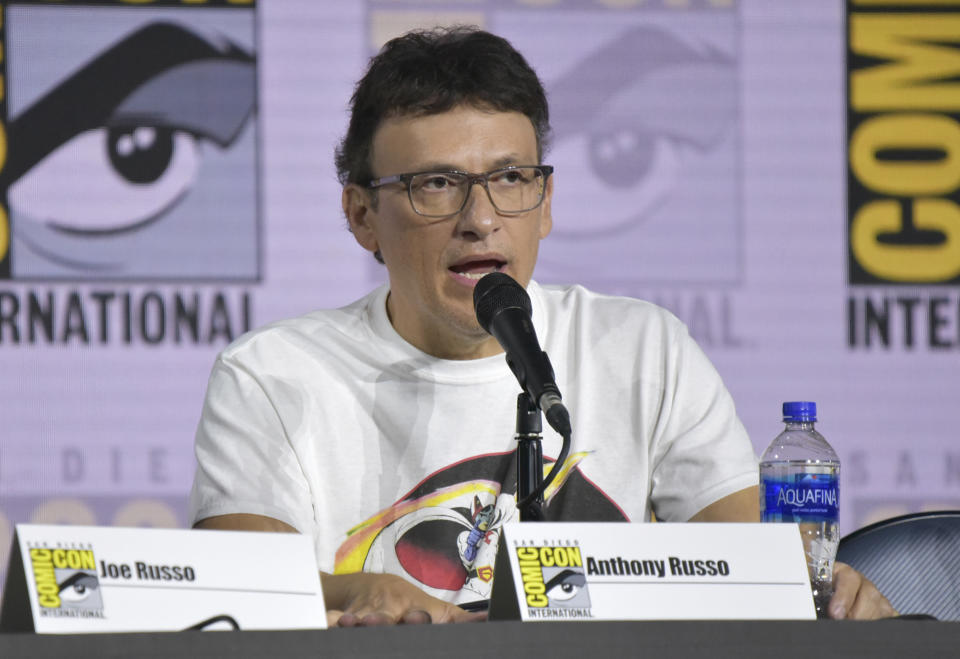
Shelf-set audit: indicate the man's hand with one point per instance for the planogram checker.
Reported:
(361, 599)
(364, 599)
(855, 597)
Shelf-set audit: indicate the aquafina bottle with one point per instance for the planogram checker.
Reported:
(800, 483)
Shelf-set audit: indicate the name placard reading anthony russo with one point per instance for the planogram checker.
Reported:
(613, 571)
(106, 579)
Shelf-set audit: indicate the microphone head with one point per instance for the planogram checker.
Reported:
(495, 292)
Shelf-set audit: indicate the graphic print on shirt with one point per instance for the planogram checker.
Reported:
(443, 534)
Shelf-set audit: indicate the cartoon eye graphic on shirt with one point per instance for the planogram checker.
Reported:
(78, 587)
(631, 117)
(120, 143)
(565, 585)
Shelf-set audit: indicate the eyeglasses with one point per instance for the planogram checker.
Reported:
(442, 194)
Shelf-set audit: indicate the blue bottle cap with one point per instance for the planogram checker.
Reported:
(799, 411)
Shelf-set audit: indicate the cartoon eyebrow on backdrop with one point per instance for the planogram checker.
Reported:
(124, 130)
(129, 85)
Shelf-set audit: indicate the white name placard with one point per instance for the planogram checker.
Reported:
(615, 571)
(74, 579)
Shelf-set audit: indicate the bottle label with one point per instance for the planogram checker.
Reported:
(801, 498)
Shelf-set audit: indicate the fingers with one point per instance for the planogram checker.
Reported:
(872, 607)
(438, 612)
(368, 600)
(448, 614)
(846, 583)
(855, 597)
(370, 619)
(870, 603)
(455, 614)
(415, 617)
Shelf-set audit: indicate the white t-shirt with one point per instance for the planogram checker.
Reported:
(396, 461)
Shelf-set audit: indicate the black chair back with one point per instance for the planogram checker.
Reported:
(914, 560)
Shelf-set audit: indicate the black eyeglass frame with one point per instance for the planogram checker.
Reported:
(471, 179)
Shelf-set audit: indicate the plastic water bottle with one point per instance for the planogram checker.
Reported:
(800, 482)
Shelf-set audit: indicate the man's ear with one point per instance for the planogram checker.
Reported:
(359, 213)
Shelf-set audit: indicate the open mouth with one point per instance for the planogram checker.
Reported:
(477, 269)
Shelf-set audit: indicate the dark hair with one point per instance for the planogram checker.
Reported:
(431, 71)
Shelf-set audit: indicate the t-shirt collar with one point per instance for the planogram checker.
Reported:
(413, 360)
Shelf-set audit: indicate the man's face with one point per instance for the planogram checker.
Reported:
(434, 263)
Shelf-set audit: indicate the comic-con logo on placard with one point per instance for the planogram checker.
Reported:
(131, 141)
(66, 581)
(553, 581)
(903, 178)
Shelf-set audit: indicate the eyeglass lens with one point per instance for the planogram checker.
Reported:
(511, 190)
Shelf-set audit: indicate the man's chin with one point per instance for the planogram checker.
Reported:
(475, 341)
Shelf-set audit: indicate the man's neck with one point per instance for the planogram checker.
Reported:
(445, 345)
(486, 348)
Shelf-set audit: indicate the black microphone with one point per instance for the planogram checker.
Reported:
(503, 310)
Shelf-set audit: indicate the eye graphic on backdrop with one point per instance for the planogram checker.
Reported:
(144, 115)
(625, 134)
(126, 176)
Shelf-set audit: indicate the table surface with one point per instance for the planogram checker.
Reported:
(557, 640)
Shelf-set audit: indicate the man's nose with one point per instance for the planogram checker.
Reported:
(479, 216)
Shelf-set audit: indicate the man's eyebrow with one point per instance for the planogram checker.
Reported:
(503, 161)
(509, 160)
(435, 166)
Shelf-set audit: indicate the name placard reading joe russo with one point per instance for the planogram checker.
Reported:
(615, 571)
(73, 579)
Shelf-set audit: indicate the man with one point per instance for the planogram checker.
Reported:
(385, 429)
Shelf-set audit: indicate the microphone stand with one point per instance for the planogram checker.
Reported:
(529, 458)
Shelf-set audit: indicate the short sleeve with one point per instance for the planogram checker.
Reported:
(245, 461)
(701, 449)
